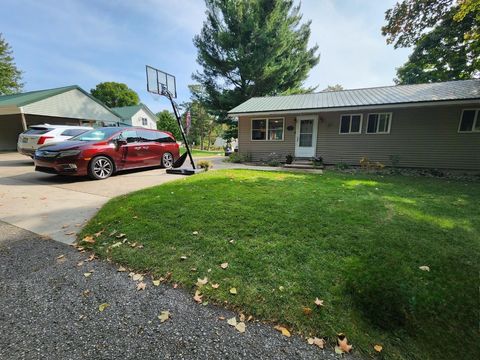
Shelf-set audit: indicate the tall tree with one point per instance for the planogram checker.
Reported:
(166, 121)
(115, 94)
(445, 37)
(251, 48)
(336, 87)
(10, 75)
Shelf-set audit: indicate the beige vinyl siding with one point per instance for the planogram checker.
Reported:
(261, 150)
(425, 137)
(71, 104)
(137, 120)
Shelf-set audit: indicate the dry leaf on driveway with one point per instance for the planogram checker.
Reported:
(141, 286)
(197, 297)
(316, 341)
(103, 306)
(121, 269)
(91, 257)
(87, 274)
(80, 263)
(156, 282)
(342, 343)
(240, 327)
(283, 330)
(164, 316)
(137, 277)
(224, 265)
(232, 321)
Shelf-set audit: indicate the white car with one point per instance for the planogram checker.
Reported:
(39, 135)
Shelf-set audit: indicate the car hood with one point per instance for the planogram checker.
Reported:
(65, 145)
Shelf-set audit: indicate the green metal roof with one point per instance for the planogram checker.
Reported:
(126, 112)
(26, 98)
(356, 98)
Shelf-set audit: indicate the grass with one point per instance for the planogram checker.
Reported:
(201, 153)
(355, 241)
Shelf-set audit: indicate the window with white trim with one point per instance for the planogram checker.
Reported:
(379, 123)
(351, 124)
(144, 121)
(268, 129)
(470, 121)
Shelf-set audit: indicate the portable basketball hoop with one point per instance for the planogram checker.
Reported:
(161, 83)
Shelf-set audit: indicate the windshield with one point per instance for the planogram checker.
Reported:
(97, 134)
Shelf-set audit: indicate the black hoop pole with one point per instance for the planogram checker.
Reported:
(179, 121)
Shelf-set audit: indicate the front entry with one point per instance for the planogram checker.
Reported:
(306, 136)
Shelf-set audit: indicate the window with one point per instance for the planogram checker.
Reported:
(470, 121)
(379, 123)
(154, 136)
(144, 121)
(129, 135)
(351, 124)
(73, 132)
(267, 129)
(37, 130)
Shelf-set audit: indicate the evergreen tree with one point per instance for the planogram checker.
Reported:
(251, 48)
(10, 75)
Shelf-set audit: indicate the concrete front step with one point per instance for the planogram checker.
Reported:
(301, 166)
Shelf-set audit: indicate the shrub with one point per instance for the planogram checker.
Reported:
(318, 161)
(238, 158)
(342, 166)
(288, 159)
(272, 159)
(205, 164)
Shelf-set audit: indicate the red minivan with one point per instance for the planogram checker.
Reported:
(101, 152)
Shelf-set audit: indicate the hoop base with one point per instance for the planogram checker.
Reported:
(186, 172)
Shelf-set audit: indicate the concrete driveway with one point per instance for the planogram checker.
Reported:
(57, 206)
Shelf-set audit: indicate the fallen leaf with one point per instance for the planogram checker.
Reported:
(121, 269)
(316, 341)
(156, 282)
(65, 226)
(112, 233)
(281, 288)
(135, 217)
(378, 348)
(164, 316)
(193, 269)
(103, 306)
(221, 318)
(197, 297)
(97, 234)
(130, 274)
(233, 291)
(338, 350)
(242, 317)
(91, 257)
(232, 321)
(342, 343)
(240, 327)
(60, 256)
(307, 311)
(87, 274)
(70, 233)
(250, 318)
(201, 282)
(318, 302)
(231, 241)
(121, 235)
(137, 277)
(215, 286)
(175, 285)
(183, 257)
(80, 248)
(132, 245)
(117, 244)
(141, 286)
(80, 263)
(195, 233)
(86, 292)
(139, 246)
(224, 265)
(89, 239)
(283, 330)
(424, 268)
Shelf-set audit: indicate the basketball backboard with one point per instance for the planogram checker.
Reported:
(158, 82)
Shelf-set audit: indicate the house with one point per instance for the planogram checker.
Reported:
(434, 125)
(137, 115)
(70, 105)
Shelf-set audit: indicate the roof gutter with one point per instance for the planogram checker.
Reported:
(357, 108)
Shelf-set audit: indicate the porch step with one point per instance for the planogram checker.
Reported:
(302, 163)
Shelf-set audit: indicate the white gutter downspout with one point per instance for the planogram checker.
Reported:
(24, 122)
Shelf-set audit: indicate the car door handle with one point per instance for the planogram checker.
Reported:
(138, 147)
(145, 147)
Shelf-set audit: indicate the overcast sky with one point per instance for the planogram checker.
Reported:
(84, 42)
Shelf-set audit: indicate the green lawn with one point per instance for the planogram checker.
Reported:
(355, 241)
(202, 153)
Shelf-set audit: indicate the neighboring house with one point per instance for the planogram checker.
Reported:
(137, 115)
(70, 105)
(433, 125)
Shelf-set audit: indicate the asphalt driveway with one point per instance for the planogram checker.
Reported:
(57, 206)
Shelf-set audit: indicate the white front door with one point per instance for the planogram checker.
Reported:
(306, 136)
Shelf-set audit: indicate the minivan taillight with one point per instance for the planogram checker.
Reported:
(43, 139)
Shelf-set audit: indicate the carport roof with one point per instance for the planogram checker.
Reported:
(30, 97)
(357, 98)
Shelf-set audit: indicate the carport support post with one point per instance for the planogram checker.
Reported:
(24, 122)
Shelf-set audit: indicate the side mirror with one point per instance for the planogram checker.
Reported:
(121, 142)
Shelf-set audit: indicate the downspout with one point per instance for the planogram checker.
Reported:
(24, 122)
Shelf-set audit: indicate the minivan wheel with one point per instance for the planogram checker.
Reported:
(167, 160)
(100, 168)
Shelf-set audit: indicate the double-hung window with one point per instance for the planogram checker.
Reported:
(379, 123)
(351, 124)
(268, 129)
(470, 121)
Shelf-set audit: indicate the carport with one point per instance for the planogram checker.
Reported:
(70, 105)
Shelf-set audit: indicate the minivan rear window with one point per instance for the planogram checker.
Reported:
(35, 130)
(73, 132)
